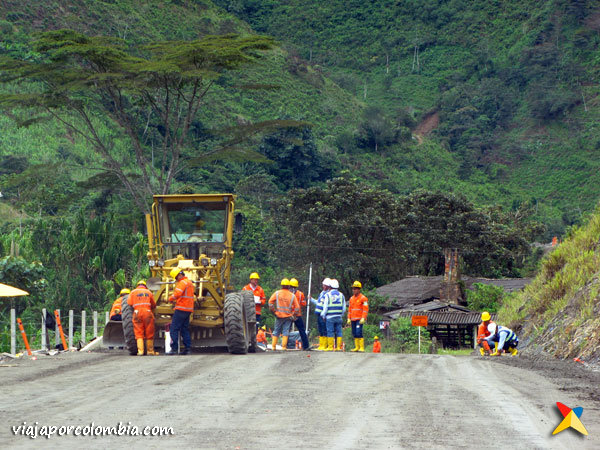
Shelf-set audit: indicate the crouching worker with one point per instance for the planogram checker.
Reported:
(507, 341)
(143, 304)
(376, 345)
(115, 311)
(284, 304)
(483, 332)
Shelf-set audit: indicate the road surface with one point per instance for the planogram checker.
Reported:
(294, 400)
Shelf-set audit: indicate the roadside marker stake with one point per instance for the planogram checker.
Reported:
(24, 336)
(60, 329)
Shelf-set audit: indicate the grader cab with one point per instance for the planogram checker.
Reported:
(194, 232)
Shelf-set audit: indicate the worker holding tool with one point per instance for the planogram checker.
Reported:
(299, 322)
(376, 345)
(483, 333)
(507, 341)
(284, 304)
(357, 316)
(183, 297)
(143, 304)
(259, 295)
(115, 310)
(321, 326)
(334, 307)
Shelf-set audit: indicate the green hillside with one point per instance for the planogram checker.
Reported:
(514, 84)
(559, 312)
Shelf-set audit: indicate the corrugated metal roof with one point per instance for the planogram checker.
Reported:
(442, 318)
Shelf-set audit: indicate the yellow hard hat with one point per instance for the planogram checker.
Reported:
(254, 275)
(293, 282)
(264, 327)
(285, 282)
(174, 272)
(357, 284)
(125, 291)
(376, 337)
(141, 282)
(485, 316)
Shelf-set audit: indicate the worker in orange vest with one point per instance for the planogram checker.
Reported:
(259, 295)
(143, 304)
(115, 310)
(261, 336)
(483, 333)
(299, 321)
(284, 304)
(183, 297)
(376, 345)
(357, 316)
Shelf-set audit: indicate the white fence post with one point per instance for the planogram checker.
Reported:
(56, 333)
(83, 327)
(44, 343)
(13, 331)
(95, 324)
(107, 318)
(70, 328)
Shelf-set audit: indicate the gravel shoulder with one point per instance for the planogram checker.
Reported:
(300, 400)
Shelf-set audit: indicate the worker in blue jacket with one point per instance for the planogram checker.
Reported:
(318, 303)
(507, 340)
(334, 307)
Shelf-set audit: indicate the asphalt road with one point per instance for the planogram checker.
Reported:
(293, 400)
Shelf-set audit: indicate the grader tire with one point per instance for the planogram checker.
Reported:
(129, 335)
(235, 324)
(248, 298)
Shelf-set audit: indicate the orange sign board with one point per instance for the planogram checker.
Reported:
(419, 321)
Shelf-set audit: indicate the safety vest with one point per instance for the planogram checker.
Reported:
(358, 308)
(319, 307)
(258, 292)
(184, 295)
(335, 305)
(141, 299)
(300, 296)
(284, 306)
(510, 335)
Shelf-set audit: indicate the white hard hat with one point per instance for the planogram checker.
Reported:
(334, 284)
(492, 328)
(327, 282)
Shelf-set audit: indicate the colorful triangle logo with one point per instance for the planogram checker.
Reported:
(571, 419)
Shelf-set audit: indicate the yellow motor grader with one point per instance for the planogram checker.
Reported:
(193, 232)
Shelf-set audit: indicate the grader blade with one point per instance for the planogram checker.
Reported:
(113, 336)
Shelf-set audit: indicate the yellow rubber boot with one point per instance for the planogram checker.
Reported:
(140, 346)
(322, 343)
(284, 341)
(513, 351)
(356, 345)
(361, 345)
(274, 343)
(482, 351)
(338, 347)
(329, 344)
(150, 347)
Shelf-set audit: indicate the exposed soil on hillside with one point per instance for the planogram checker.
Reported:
(429, 123)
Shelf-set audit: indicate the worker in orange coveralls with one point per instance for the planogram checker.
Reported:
(115, 311)
(259, 295)
(143, 304)
(183, 297)
(261, 337)
(376, 345)
(483, 333)
(357, 315)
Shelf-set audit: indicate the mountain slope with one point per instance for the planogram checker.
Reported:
(559, 311)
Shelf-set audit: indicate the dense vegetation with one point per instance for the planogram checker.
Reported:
(377, 132)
